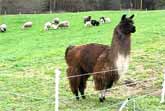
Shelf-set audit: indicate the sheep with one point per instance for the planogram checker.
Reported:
(95, 23)
(47, 26)
(88, 24)
(63, 24)
(102, 20)
(27, 25)
(53, 26)
(105, 20)
(91, 58)
(56, 21)
(3, 28)
(87, 18)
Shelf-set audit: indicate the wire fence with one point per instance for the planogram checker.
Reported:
(65, 100)
(50, 100)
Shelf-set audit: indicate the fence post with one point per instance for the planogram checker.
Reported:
(124, 104)
(57, 79)
(163, 88)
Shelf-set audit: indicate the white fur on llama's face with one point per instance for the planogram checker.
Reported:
(122, 64)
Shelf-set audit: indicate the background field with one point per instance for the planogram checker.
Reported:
(28, 59)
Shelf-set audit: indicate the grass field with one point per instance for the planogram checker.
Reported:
(28, 59)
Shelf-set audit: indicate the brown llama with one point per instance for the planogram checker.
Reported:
(93, 57)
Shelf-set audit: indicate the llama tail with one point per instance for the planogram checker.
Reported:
(67, 50)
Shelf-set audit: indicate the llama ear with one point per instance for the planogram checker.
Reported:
(123, 17)
(132, 16)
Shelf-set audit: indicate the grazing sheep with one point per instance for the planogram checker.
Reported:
(91, 58)
(63, 24)
(87, 18)
(3, 28)
(95, 23)
(56, 21)
(105, 20)
(27, 25)
(47, 26)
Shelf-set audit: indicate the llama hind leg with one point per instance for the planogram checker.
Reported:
(82, 86)
(74, 81)
(81, 89)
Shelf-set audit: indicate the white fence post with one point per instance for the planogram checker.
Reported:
(124, 104)
(57, 79)
(163, 89)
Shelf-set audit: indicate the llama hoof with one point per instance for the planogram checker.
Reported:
(83, 97)
(77, 98)
(101, 100)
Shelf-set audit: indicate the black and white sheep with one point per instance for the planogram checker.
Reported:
(105, 20)
(95, 23)
(3, 28)
(87, 19)
(88, 24)
(47, 26)
(56, 21)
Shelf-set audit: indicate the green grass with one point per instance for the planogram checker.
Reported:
(28, 58)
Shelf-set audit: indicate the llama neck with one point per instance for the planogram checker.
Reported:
(120, 51)
(121, 43)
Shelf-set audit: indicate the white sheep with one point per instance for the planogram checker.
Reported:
(107, 20)
(27, 25)
(63, 24)
(3, 28)
(53, 26)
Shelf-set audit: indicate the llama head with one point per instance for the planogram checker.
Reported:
(127, 25)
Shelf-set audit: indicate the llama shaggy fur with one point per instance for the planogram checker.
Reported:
(93, 57)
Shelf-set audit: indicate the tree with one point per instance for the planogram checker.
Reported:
(160, 4)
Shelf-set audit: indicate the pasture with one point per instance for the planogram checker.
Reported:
(28, 59)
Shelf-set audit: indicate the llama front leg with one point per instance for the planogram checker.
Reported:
(102, 95)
